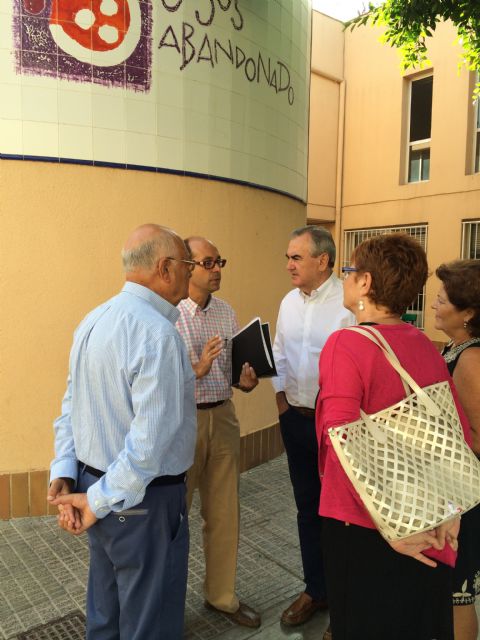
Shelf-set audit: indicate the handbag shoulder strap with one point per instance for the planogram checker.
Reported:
(378, 339)
(408, 382)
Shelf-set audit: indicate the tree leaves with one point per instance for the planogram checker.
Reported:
(408, 24)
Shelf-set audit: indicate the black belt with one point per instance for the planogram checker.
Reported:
(156, 482)
(307, 412)
(209, 405)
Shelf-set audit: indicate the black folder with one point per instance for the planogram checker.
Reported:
(252, 344)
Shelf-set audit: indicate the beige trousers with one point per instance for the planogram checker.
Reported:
(215, 472)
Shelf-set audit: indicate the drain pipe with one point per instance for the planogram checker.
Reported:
(339, 176)
(340, 154)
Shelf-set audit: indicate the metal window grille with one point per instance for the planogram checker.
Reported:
(353, 238)
(471, 240)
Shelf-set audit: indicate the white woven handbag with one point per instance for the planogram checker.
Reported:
(409, 463)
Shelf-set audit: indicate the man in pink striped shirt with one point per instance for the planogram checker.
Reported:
(207, 325)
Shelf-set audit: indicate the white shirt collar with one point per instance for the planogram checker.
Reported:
(319, 291)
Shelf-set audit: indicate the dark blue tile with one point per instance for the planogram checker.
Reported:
(54, 159)
(10, 156)
(141, 167)
(111, 165)
(173, 172)
(88, 163)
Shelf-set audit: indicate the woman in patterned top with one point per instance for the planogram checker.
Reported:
(457, 313)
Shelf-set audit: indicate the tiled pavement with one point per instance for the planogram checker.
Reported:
(43, 570)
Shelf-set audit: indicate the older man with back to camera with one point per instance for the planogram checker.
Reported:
(124, 440)
(207, 324)
(308, 315)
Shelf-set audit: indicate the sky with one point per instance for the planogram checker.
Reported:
(341, 9)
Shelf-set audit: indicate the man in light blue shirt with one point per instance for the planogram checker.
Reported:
(124, 440)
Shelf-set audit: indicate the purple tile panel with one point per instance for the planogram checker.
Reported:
(37, 54)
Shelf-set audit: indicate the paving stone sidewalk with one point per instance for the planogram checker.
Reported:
(43, 570)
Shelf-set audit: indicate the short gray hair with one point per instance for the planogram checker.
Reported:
(144, 255)
(322, 241)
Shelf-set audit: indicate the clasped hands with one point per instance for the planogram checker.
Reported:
(414, 545)
(74, 513)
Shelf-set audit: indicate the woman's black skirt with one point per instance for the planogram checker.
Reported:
(375, 593)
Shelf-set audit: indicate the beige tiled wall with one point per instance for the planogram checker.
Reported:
(24, 494)
(260, 446)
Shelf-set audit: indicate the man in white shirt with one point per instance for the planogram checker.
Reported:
(308, 315)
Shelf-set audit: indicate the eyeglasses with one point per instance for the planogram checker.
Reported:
(347, 270)
(209, 263)
(191, 263)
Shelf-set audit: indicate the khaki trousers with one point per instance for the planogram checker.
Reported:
(215, 472)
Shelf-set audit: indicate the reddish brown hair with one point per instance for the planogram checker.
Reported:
(461, 279)
(398, 266)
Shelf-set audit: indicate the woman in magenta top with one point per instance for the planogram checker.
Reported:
(379, 590)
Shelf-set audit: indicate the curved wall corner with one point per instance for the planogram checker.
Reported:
(203, 100)
(62, 230)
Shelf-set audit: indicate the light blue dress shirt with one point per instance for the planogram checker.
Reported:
(129, 408)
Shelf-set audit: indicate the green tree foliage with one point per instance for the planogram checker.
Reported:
(408, 23)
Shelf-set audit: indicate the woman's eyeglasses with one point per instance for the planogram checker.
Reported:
(347, 270)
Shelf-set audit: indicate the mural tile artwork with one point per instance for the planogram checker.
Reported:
(211, 88)
(107, 42)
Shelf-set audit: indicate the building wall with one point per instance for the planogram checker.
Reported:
(163, 125)
(374, 189)
(63, 226)
(62, 230)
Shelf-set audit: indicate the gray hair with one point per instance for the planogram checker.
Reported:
(322, 241)
(144, 255)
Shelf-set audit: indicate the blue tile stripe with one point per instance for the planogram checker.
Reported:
(138, 167)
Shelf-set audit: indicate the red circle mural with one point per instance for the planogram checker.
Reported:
(99, 25)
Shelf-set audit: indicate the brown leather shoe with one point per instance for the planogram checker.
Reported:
(301, 610)
(244, 615)
(328, 634)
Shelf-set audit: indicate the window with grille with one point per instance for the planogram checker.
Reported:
(419, 130)
(416, 312)
(471, 240)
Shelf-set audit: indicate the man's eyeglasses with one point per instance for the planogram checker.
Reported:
(209, 263)
(347, 270)
(191, 263)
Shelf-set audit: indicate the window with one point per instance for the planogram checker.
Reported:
(471, 239)
(472, 165)
(419, 129)
(353, 238)
(477, 138)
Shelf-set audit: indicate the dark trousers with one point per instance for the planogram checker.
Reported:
(300, 440)
(138, 568)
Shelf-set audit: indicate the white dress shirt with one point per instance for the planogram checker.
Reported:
(303, 326)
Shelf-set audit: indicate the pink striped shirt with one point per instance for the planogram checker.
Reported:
(196, 326)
